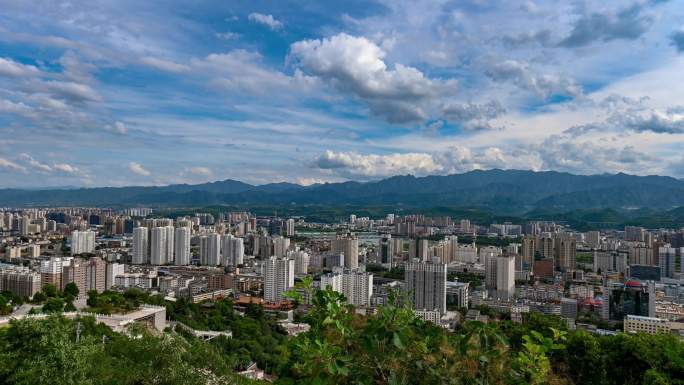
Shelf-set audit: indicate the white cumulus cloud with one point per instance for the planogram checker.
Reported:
(137, 168)
(267, 20)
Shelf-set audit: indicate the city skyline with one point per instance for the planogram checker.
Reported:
(127, 93)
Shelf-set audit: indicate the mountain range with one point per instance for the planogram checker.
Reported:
(509, 190)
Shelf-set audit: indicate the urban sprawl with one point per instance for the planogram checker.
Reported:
(450, 270)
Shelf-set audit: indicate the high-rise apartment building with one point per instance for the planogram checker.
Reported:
(426, 285)
(21, 282)
(278, 278)
(75, 272)
(182, 246)
(96, 275)
(170, 242)
(210, 249)
(301, 259)
(51, 271)
(158, 246)
(233, 250)
(356, 286)
(141, 246)
(82, 242)
(385, 250)
(347, 245)
(290, 228)
(666, 259)
(565, 252)
(505, 277)
(280, 246)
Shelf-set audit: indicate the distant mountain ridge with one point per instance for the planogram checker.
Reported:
(510, 190)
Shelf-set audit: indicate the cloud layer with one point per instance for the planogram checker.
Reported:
(129, 92)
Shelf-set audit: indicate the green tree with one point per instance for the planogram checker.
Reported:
(50, 290)
(71, 289)
(53, 305)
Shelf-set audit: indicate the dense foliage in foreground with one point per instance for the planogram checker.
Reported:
(394, 347)
(389, 347)
(48, 352)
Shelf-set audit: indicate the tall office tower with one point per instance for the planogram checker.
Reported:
(170, 243)
(278, 278)
(301, 259)
(96, 275)
(82, 242)
(356, 286)
(182, 246)
(666, 259)
(141, 246)
(233, 250)
(464, 226)
(565, 252)
(385, 251)
(280, 246)
(505, 277)
(347, 245)
(352, 219)
(489, 261)
(290, 228)
(158, 246)
(426, 285)
(210, 249)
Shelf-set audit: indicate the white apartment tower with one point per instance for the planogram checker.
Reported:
(141, 246)
(233, 250)
(82, 242)
(210, 249)
(290, 227)
(158, 246)
(356, 286)
(278, 278)
(505, 277)
(182, 246)
(280, 246)
(170, 243)
(301, 259)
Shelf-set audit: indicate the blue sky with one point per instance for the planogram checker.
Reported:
(112, 93)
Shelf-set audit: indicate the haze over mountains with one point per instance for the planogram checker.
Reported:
(510, 190)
